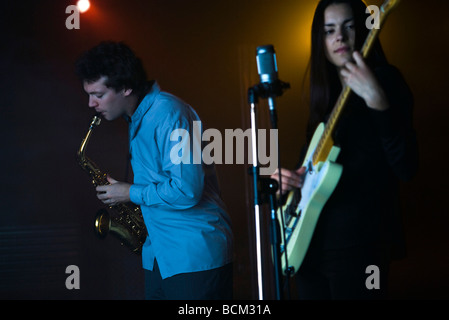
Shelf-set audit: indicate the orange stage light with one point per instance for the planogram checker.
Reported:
(83, 5)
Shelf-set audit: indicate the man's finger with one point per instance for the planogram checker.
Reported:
(102, 196)
(111, 180)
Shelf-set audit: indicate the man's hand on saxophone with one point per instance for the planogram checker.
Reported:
(115, 193)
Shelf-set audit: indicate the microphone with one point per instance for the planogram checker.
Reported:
(270, 86)
(266, 64)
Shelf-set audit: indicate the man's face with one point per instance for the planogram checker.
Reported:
(106, 101)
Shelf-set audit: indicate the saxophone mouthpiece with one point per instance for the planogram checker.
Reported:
(96, 120)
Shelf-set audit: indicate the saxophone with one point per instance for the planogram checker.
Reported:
(126, 220)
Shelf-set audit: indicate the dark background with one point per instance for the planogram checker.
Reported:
(204, 52)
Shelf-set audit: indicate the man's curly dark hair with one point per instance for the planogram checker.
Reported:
(117, 62)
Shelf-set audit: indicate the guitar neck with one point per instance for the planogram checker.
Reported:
(326, 142)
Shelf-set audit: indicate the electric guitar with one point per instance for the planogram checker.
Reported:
(302, 208)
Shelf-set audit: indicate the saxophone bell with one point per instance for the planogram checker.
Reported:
(102, 223)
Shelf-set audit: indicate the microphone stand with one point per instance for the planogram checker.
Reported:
(267, 186)
(253, 99)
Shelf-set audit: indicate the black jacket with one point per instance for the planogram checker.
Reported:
(378, 149)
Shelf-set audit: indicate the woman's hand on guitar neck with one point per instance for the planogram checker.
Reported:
(362, 81)
(290, 178)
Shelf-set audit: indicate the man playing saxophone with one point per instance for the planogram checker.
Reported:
(188, 250)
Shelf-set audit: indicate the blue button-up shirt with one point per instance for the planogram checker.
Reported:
(188, 227)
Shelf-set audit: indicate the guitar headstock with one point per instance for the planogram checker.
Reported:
(389, 5)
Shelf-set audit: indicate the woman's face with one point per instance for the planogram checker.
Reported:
(339, 34)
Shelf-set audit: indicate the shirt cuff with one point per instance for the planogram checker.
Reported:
(135, 194)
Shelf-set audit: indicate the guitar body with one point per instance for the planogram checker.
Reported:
(320, 181)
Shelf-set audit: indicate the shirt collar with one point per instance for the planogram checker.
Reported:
(142, 108)
(146, 103)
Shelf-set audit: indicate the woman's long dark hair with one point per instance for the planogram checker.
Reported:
(325, 84)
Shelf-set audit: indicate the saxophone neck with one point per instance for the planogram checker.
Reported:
(98, 177)
(96, 120)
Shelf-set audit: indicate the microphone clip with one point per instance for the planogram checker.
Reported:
(266, 90)
(271, 89)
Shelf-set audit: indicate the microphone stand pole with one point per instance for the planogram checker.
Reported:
(269, 186)
(253, 99)
(271, 91)
(274, 222)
